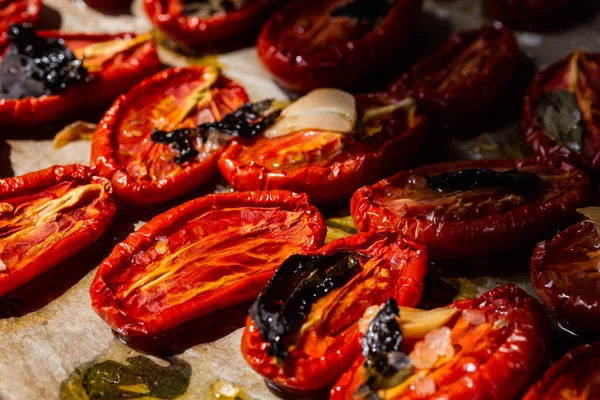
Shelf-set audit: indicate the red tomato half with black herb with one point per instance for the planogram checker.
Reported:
(562, 108)
(208, 23)
(463, 77)
(48, 216)
(93, 71)
(489, 351)
(208, 254)
(147, 170)
(334, 43)
(19, 12)
(564, 272)
(358, 271)
(328, 165)
(526, 13)
(575, 376)
(472, 210)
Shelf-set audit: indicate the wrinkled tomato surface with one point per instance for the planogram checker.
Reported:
(463, 77)
(46, 217)
(19, 12)
(492, 360)
(329, 339)
(564, 271)
(208, 254)
(197, 23)
(575, 376)
(523, 13)
(328, 166)
(472, 224)
(333, 43)
(144, 172)
(579, 74)
(109, 78)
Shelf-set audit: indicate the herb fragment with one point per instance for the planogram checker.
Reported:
(475, 178)
(560, 117)
(287, 298)
(365, 12)
(386, 365)
(246, 122)
(35, 66)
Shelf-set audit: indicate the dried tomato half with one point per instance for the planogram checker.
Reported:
(208, 254)
(19, 12)
(200, 23)
(463, 77)
(48, 216)
(148, 170)
(325, 294)
(564, 271)
(333, 43)
(472, 210)
(112, 64)
(574, 376)
(490, 350)
(328, 166)
(562, 108)
(523, 13)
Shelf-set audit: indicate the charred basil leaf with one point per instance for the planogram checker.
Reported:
(559, 115)
(246, 122)
(287, 298)
(386, 365)
(474, 178)
(365, 12)
(34, 66)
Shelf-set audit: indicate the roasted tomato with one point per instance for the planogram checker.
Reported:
(472, 210)
(463, 77)
(48, 216)
(490, 350)
(302, 332)
(208, 254)
(333, 43)
(328, 165)
(564, 271)
(48, 76)
(146, 168)
(523, 13)
(561, 115)
(19, 12)
(576, 376)
(198, 23)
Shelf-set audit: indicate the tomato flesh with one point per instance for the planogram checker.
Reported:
(18, 12)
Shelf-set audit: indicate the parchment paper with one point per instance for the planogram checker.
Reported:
(48, 329)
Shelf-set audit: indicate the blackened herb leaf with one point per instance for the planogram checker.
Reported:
(36, 66)
(560, 117)
(365, 12)
(385, 363)
(474, 178)
(287, 298)
(181, 140)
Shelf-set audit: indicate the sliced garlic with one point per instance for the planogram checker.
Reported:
(417, 324)
(76, 131)
(322, 109)
(111, 47)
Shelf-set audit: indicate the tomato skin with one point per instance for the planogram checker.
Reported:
(106, 85)
(481, 237)
(338, 178)
(185, 178)
(585, 68)
(447, 101)
(310, 368)
(522, 13)
(575, 373)
(149, 311)
(168, 16)
(516, 359)
(26, 189)
(19, 12)
(341, 66)
(572, 298)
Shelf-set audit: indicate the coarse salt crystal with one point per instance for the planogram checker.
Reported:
(423, 355)
(3, 266)
(474, 317)
(423, 386)
(439, 340)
